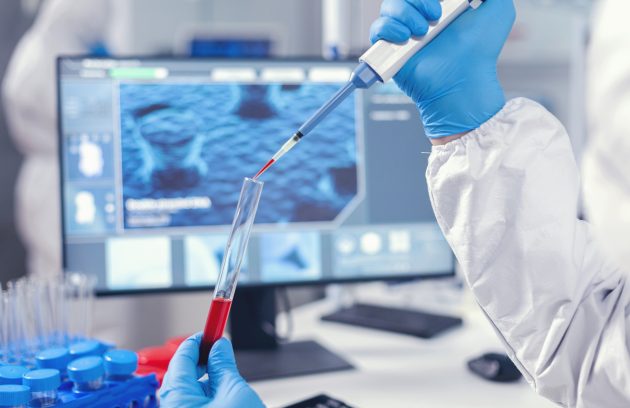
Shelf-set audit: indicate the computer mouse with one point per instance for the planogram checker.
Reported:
(495, 367)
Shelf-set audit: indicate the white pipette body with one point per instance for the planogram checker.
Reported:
(386, 58)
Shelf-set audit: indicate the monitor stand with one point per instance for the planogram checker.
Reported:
(404, 321)
(259, 355)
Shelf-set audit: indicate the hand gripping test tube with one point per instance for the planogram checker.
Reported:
(230, 266)
(379, 64)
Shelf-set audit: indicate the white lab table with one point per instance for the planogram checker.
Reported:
(400, 371)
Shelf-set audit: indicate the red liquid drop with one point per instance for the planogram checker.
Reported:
(264, 169)
(215, 324)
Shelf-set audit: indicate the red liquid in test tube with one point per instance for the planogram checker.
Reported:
(215, 324)
(230, 266)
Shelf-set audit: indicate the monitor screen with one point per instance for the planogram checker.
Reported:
(154, 152)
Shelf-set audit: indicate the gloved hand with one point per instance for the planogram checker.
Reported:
(453, 80)
(224, 387)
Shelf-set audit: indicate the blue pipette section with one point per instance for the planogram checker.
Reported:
(363, 77)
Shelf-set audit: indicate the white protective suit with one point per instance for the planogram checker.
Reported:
(62, 27)
(506, 197)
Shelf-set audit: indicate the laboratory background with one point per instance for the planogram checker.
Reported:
(126, 130)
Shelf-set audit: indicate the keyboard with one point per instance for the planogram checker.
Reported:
(320, 401)
(411, 322)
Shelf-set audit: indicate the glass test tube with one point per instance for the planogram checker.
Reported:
(231, 266)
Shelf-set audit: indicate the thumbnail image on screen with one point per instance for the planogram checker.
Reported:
(187, 147)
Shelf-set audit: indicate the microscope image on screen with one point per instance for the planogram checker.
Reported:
(173, 145)
(186, 148)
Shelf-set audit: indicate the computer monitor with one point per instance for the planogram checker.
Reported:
(154, 151)
(153, 154)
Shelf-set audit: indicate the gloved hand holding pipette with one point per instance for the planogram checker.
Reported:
(408, 23)
(224, 387)
(453, 80)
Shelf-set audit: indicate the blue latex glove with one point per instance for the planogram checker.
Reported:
(453, 80)
(224, 387)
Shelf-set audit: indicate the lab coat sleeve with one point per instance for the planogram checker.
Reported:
(506, 199)
(606, 164)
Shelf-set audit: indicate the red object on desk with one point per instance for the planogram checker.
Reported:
(175, 341)
(158, 356)
(155, 359)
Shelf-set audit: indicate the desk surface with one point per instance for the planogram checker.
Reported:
(399, 371)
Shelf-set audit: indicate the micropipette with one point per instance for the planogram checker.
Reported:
(380, 63)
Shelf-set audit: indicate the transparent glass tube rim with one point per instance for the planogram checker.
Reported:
(238, 239)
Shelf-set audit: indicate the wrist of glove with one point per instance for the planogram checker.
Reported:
(453, 80)
(460, 109)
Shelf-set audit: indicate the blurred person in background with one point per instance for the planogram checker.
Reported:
(62, 27)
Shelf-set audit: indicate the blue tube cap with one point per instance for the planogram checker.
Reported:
(120, 362)
(86, 369)
(45, 379)
(85, 348)
(13, 394)
(57, 358)
(12, 374)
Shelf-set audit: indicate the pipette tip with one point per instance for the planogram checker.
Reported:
(264, 169)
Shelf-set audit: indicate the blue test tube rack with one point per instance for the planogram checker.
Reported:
(137, 391)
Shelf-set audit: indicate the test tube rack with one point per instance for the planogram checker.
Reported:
(138, 391)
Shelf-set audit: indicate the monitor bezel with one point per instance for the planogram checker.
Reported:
(205, 288)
